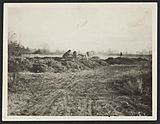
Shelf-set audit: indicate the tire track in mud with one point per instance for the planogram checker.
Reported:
(60, 91)
(64, 84)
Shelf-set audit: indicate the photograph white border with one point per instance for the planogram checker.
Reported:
(5, 117)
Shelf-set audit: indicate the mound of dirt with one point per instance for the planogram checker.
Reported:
(90, 63)
(126, 61)
(58, 64)
(38, 68)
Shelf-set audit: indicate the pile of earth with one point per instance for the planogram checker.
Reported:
(127, 61)
(58, 64)
(51, 64)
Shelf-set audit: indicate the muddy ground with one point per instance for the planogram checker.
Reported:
(110, 90)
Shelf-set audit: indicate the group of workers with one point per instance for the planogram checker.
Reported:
(74, 56)
(69, 56)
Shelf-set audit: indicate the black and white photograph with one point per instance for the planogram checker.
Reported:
(79, 61)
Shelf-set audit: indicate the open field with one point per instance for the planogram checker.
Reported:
(114, 90)
(90, 59)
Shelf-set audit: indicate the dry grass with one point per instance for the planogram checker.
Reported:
(107, 91)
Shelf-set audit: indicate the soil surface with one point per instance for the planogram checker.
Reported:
(105, 91)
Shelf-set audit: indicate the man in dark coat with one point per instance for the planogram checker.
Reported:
(67, 54)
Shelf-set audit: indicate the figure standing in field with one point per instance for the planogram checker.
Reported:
(87, 54)
(75, 56)
(121, 54)
(75, 59)
(67, 54)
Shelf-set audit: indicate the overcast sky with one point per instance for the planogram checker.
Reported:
(124, 27)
